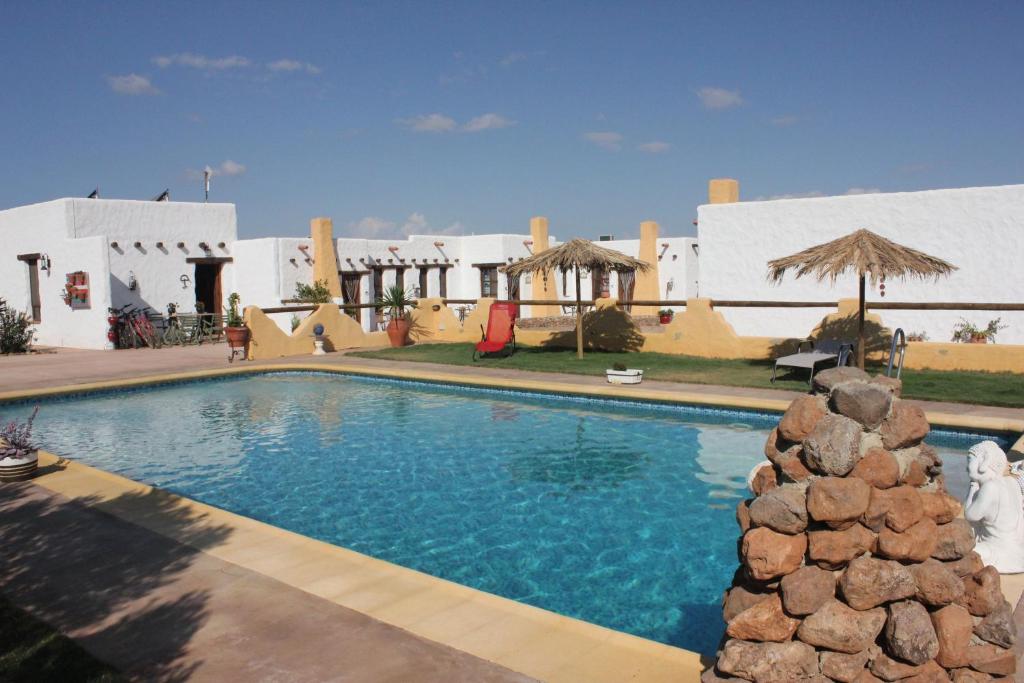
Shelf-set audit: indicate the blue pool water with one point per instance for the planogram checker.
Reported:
(620, 514)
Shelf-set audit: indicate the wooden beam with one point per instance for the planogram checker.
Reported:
(209, 259)
(29, 257)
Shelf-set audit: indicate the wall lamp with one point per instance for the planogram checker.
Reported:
(133, 284)
(44, 262)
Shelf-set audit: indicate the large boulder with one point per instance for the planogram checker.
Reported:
(991, 659)
(997, 627)
(768, 662)
(982, 593)
(801, 417)
(906, 426)
(869, 582)
(953, 540)
(764, 621)
(807, 589)
(740, 598)
(837, 501)
(768, 554)
(937, 584)
(868, 404)
(783, 509)
(833, 446)
(953, 626)
(842, 667)
(909, 634)
(916, 544)
(835, 626)
(940, 506)
(833, 549)
(826, 380)
(878, 468)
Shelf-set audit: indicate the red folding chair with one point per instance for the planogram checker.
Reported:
(501, 329)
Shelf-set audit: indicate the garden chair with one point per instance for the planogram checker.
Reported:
(501, 329)
(819, 352)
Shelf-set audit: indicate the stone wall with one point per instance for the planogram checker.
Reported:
(854, 562)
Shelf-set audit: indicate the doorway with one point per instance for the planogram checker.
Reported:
(350, 284)
(32, 261)
(208, 289)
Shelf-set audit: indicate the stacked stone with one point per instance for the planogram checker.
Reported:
(855, 564)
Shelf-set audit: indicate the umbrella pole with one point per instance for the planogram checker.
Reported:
(860, 326)
(579, 317)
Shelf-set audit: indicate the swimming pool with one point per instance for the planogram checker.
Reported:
(618, 513)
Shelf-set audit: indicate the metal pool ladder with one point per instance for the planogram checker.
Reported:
(899, 340)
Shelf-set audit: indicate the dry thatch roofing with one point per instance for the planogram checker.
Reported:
(577, 253)
(866, 253)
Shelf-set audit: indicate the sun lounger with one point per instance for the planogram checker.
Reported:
(820, 352)
(501, 329)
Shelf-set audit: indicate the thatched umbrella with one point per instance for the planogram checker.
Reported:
(867, 254)
(577, 254)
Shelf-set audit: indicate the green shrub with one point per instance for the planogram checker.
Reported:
(316, 293)
(16, 334)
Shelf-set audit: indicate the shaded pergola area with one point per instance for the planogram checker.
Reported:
(577, 255)
(867, 254)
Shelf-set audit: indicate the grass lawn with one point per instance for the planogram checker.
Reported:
(32, 651)
(992, 389)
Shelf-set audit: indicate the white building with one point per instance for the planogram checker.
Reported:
(978, 229)
(147, 254)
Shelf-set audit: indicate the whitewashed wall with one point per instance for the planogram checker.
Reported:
(980, 230)
(44, 228)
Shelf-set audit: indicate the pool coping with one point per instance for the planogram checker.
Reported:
(520, 637)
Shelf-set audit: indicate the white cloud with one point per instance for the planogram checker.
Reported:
(863, 190)
(719, 98)
(487, 122)
(202, 62)
(430, 123)
(787, 120)
(374, 227)
(655, 147)
(132, 84)
(290, 65)
(513, 57)
(605, 139)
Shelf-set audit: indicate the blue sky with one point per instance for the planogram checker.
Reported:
(471, 117)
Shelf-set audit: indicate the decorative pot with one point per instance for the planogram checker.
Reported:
(238, 337)
(398, 332)
(19, 469)
(631, 376)
(664, 319)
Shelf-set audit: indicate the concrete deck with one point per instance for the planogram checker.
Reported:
(161, 610)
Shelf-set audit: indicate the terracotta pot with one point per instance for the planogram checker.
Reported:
(665, 319)
(238, 337)
(19, 469)
(398, 332)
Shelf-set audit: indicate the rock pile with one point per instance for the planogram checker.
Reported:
(854, 564)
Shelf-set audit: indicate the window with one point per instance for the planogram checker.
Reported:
(378, 283)
(443, 283)
(489, 281)
(423, 282)
(32, 261)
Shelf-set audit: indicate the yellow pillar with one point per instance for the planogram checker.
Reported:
(325, 260)
(545, 285)
(723, 191)
(646, 287)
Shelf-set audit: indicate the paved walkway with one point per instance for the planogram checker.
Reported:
(162, 611)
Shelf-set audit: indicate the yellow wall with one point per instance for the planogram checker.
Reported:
(544, 285)
(325, 259)
(647, 283)
(699, 330)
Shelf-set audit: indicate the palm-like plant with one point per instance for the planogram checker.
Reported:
(396, 299)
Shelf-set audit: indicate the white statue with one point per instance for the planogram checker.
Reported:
(995, 508)
(753, 473)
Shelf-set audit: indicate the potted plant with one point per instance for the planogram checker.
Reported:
(966, 333)
(396, 299)
(665, 316)
(620, 374)
(917, 337)
(19, 457)
(236, 331)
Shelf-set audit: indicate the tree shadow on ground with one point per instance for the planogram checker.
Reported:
(111, 585)
(606, 329)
